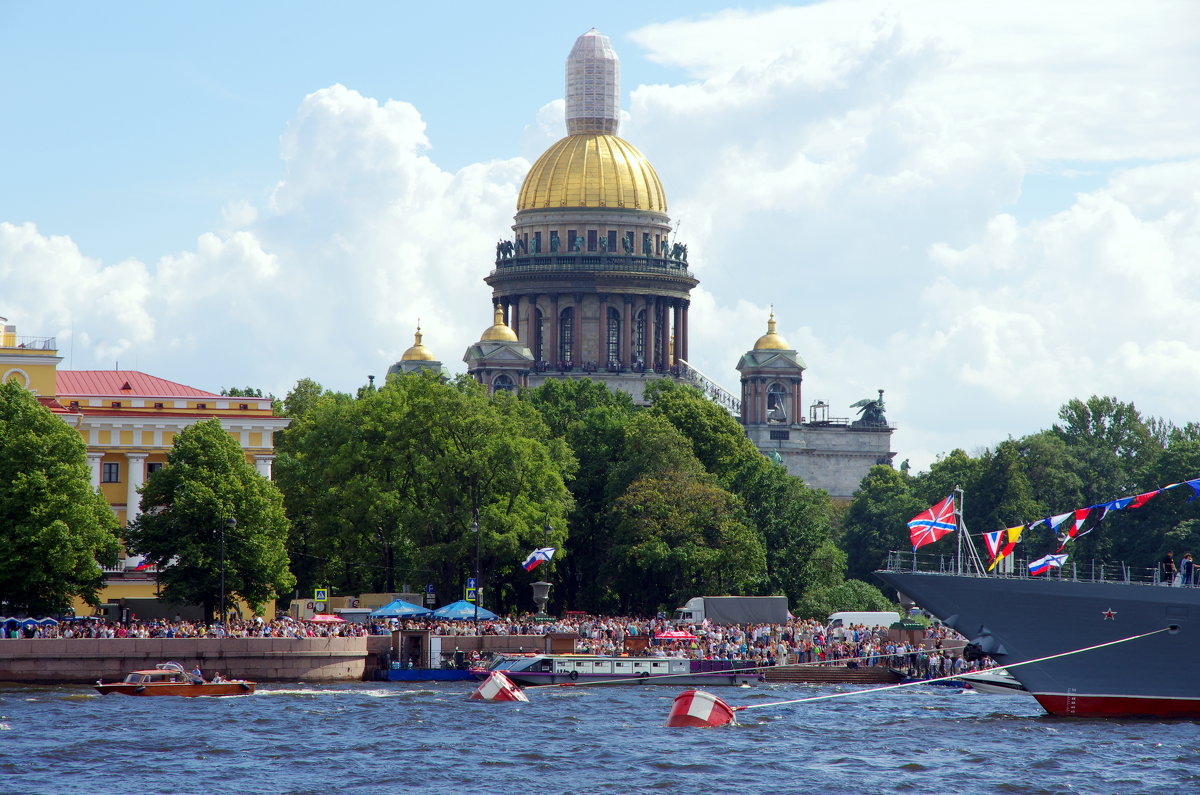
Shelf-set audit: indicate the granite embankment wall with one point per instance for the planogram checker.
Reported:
(84, 660)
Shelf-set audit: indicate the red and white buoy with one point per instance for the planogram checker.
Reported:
(697, 708)
(498, 687)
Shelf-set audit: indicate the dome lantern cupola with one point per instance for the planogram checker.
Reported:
(498, 331)
(771, 341)
(418, 352)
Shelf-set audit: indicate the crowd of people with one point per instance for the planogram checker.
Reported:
(798, 641)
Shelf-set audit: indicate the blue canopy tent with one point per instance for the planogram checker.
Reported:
(463, 610)
(398, 608)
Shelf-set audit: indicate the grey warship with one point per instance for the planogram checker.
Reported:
(1012, 619)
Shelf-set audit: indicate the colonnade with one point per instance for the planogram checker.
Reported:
(662, 336)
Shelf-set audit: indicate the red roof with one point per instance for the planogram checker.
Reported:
(123, 383)
(53, 405)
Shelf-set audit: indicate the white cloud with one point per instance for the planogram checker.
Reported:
(855, 163)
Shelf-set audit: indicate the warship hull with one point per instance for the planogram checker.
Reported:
(1013, 620)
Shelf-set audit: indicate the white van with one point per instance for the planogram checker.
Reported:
(870, 620)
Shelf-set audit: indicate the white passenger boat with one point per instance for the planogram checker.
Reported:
(561, 669)
(994, 680)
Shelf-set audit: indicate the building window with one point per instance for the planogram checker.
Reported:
(781, 436)
(571, 240)
(591, 240)
(566, 334)
(538, 348)
(153, 467)
(74, 405)
(116, 404)
(612, 241)
(639, 338)
(614, 337)
(158, 405)
(503, 383)
(201, 405)
(243, 406)
(537, 243)
(110, 473)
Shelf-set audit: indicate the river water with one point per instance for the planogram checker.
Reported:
(397, 737)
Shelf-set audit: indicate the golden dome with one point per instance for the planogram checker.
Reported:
(499, 332)
(418, 352)
(771, 341)
(592, 170)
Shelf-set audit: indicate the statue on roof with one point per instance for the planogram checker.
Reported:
(871, 411)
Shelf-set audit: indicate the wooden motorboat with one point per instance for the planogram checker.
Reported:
(170, 679)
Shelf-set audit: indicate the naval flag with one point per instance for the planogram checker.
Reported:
(1043, 565)
(538, 557)
(930, 525)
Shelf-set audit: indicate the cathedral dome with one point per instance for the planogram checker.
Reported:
(418, 352)
(771, 341)
(499, 332)
(592, 170)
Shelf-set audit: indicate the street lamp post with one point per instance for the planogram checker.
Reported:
(475, 530)
(230, 523)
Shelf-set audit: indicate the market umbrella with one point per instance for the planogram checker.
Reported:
(326, 618)
(398, 608)
(463, 610)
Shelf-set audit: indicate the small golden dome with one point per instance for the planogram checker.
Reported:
(592, 170)
(498, 331)
(418, 352)
(771, 341)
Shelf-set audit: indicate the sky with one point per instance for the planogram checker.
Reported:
(984, 209)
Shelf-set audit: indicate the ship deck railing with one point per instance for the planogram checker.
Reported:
(1014, 567)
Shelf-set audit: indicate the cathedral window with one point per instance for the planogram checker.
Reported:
(591, 244)
(614, 337)
(639, 338)
(503, 383)
(566, 334)
(780, 436)
(538, 348)
(612, 240)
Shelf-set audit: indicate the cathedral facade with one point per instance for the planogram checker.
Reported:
(593, 284)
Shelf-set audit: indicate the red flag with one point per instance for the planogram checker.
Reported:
(930, 525)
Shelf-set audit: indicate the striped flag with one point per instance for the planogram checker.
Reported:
(930, 525)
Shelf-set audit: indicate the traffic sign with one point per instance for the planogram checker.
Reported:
(429, 589)
(470, 582)
(321, 595)
(472, 594)
(318, 607)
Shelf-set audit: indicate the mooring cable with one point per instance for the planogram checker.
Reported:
(955, 676)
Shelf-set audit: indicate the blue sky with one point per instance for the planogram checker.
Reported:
(984, 209)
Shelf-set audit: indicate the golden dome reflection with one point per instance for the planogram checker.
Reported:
(771, 341)
(498, 331)
(592, 170)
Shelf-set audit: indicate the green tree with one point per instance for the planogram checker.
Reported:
(393, 481)
(57, 528)
(676, 536)
(877, 519)
(591, 419)
(186, 511)
(718, 440)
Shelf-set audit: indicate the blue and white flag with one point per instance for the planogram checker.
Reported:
(1043, 565)
(538, 557)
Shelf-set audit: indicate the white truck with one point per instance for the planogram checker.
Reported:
(870, 620)
(734, 610)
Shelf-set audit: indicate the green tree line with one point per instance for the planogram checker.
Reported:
(1100, 449)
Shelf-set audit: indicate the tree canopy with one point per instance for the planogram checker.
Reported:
(57, 528)
(186, 528)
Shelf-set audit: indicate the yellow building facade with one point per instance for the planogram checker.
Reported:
(128, 420)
